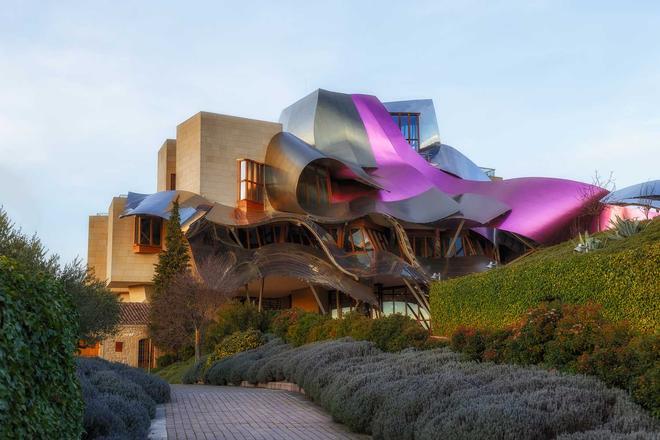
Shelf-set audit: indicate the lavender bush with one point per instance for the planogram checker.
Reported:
(119, 400)
(438, 394)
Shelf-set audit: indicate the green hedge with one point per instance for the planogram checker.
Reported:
(39, 394)
(622, 277)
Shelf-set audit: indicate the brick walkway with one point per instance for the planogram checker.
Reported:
(210, 412)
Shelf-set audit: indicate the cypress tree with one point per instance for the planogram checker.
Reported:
(164, 317)
(174, 259)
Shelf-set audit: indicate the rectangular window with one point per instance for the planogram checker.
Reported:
(408, 123)
(148, 231)
(119, 346)
(250, 181)
(172, 181)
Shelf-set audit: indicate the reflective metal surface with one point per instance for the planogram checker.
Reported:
(541, 208)
(329, 121)
(641, 194)
(451, 160)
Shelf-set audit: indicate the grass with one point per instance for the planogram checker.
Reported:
(174, 373)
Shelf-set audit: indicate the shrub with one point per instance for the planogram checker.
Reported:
(235, 317)
(436, 394)
(307, 328)
(166, 359)
(396, 332)
(619, 276)
(173, 373)
(195, 372)
(119, 400)
(575, 339)
(354, 325)
(280, 323)
(235, 343)
(39, 394)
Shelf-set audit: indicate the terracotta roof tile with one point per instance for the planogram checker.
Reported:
(133, 313)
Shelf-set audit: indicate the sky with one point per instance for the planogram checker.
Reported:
(90, 90)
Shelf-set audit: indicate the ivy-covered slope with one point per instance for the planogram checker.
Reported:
(623, 277)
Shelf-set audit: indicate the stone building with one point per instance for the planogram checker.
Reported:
(131, 345)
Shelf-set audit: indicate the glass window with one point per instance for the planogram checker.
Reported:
(251, 181)
(148, 230)
(408, 123)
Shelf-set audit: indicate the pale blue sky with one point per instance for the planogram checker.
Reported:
(89, 90)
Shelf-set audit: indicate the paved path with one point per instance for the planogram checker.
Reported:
(211, 412)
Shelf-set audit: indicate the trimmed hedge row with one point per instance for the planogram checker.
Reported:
(622, 277)
(39, 395)
(437, 394)
(574, 339)
(120, 401)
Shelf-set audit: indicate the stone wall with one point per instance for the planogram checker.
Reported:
(129, 336)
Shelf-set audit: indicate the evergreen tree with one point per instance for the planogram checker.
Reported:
(172, 262)
(174, 259)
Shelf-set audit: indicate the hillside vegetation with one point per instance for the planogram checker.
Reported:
(623, 277)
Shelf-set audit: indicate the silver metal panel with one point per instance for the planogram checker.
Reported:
(642, 194)
(450, 160)
(330, 123)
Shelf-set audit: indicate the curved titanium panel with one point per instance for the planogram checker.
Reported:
(336, 128)
(356, 266)
(641, 194)
(287, 156)
(160, 204)
(284, 259)
(541, 208)
(452, 161)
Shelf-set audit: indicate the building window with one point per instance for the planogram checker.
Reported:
(408, 123)
(314, 187)
(172, 181)
(119, 346)
(250, 181)
(148, 231)
(145, 353)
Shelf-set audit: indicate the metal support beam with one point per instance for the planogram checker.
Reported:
(523, 241)
(420, 300)
(235, 235)
(452, 244)
(318, 299)
(261, 292)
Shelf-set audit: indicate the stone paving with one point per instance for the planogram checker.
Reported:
(211, 412)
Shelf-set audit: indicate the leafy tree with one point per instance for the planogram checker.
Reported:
(28, 250)
(98, 308)
(96, 305)
(188, 305)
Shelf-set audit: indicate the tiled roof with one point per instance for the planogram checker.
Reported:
(133, 313)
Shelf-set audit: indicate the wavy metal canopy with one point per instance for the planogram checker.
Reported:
(641, 194)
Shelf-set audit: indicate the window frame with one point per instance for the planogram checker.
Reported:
(251, 187)
(412, 134)
(155, 224)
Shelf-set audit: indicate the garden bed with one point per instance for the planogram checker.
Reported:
(120, 401)
(437, 394)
